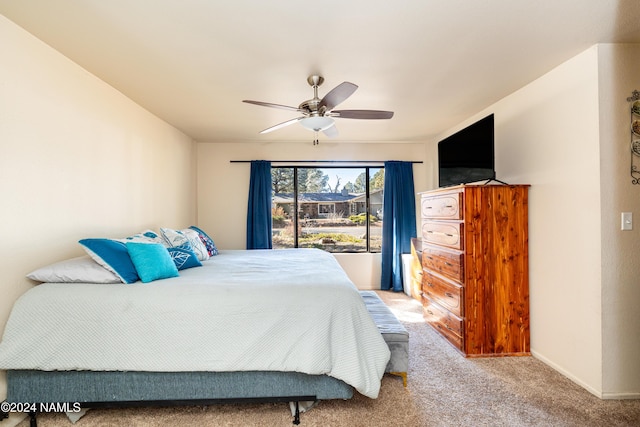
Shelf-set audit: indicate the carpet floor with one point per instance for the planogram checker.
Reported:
(444, 389)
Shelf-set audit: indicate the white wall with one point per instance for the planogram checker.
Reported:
(223, 188)
(567, 134)
(548, 136)
(78, 159)
(619, 76)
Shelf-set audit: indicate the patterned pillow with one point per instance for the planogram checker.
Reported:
(148, 236)
(178, 238)
(184, 258)
(208, 241)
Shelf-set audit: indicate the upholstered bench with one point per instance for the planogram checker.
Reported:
(393, 332)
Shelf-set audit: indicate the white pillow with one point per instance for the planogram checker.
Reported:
(180, 237)
(82, 269)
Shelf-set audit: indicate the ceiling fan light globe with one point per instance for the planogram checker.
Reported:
(317, 124)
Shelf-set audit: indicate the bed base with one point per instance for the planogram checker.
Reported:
(94, 389)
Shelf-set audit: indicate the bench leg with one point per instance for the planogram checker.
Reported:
(403, 375)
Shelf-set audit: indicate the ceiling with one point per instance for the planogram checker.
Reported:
(434, 63)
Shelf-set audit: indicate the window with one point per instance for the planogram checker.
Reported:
(326, 209)
(338, 209)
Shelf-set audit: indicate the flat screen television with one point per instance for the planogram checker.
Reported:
(468, 155)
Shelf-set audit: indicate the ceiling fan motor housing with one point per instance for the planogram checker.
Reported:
(310, 107)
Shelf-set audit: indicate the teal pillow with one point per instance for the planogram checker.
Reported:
(112, 255)
(152, 261)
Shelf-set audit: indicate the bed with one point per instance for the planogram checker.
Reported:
(281, 325)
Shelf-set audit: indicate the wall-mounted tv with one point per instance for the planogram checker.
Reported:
(468, 155)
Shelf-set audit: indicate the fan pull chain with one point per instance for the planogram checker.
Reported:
(315, 138)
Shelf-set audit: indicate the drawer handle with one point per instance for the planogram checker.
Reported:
(448, 206)
(429, 284)
(448, 235)
(448, 264)
(448, 294)
(430, 231)
(428, 207)
(446, 327)
(430, 312)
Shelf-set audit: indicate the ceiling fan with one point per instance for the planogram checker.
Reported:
(318, 114)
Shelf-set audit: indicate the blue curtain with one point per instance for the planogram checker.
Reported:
(259, 210)
(399, 221)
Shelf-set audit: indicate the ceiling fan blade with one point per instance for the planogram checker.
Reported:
(337, 95)
(331, 132)
(268, 104)
(283, 124)
(362, 114)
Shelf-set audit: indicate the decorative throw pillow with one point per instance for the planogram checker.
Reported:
(177, 238)
(112, 255)
(82, 269)
(152, 261)
(184, 258)
(149, 236)
(208, 241)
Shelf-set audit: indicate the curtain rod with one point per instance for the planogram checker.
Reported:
(319, 161)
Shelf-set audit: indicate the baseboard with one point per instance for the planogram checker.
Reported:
(598, 393)
(620, 396)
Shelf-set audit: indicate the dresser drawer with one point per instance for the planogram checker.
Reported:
(444, 206)
(443, 233)
(447, 294)
(448, 264)
(449, 325)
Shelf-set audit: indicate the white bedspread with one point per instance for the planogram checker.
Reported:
(278, 310)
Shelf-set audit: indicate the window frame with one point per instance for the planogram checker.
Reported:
(332, 209)
(296, 206)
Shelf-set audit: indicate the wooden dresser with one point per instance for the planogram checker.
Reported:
(475, 281)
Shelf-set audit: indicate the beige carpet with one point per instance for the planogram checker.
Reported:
(445, 389)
